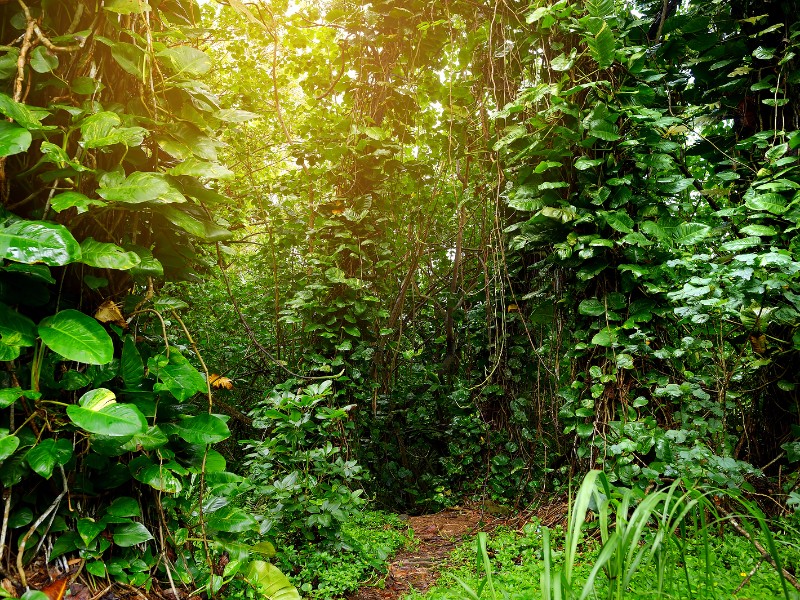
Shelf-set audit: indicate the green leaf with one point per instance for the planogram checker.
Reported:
(132, 364)
(600, 8)
(584, 163)
(78, 337)
(185, 60)
(606, 337)
(124, 506)
(688, 234)
(617, 220)
(156, 476)
(98, 412)
(16, 329)
(96, 568)
(104, 129)
(592, 307)
(605, 131)
(231, 115)
(177, 376)
(231, 519)
(38, 242)
(562, 62)
(602, 47)
(584, 429)
(792, 451)
(152, 439)
(107, 256)
(48, 453)
(20, 113)
(130, 58)
(8, 444)
(89, 529)
(771, 203)
(141, 187)
(65, 200)
(13, 139)
(43, 60)
(351, 330)
(126, 7)
(149, 266)
(194, 167)
(273, 584)
(130, 534)
(741, 244)
(196, 227)
(762, 230)
(9, 396)
(202, 429)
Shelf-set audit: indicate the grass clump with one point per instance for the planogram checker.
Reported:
(671, 543)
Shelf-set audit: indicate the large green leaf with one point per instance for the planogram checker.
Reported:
(606, 337)
(688, 234)
(149, 266)
(38, 242)
(77, 336)
(43, 60)
(8, 444)
(107, 256)
(155, 475)
(105, 129)
(124, 506)
(194, 167)
(771, 203)
(176, 376)
(202, 229)
(202, 429)
(99, 412)
(13, 139)
(20, 113)
(140, 187)
(272, 584)
(231, 519)
(77, 200)
(16, 329)
(48, 453)
(131, 58)
(131, 363)
(130, 534)
(232, 115)
(89, 529)
(126, 7)
(602, 46)
(185, 60)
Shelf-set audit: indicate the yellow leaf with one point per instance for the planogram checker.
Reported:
(217, 381)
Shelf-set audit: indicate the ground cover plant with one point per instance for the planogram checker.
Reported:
(666, 544)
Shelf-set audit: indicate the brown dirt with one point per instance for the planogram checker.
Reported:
(418, 568)
(437, 535)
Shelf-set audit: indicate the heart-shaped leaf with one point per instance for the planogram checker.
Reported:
(76, 336)
(38, 242)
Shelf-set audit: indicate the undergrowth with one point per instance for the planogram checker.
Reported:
(666, 544)
(369, 539)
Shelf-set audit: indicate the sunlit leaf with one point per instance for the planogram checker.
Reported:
(38, 242)
(77, 336)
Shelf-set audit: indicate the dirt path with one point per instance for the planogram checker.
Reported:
(438, 535)
(418, 568)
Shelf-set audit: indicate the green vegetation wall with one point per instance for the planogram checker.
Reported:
(534, 238)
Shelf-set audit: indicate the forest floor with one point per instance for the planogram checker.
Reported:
(437, 535)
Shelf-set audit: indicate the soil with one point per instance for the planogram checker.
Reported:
(437, 535)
